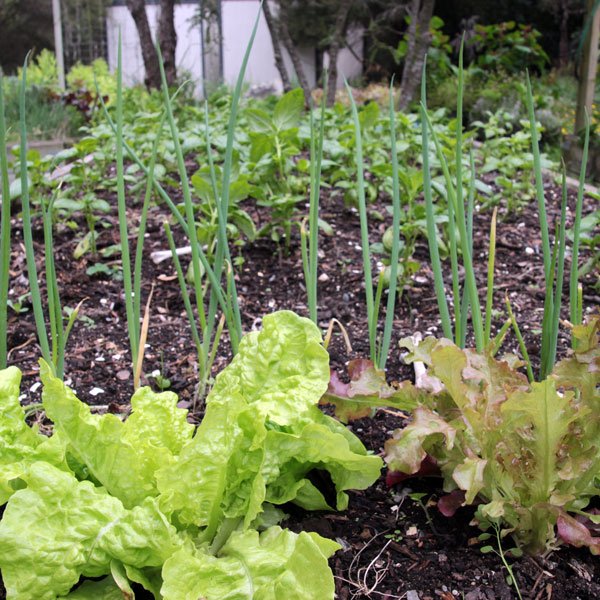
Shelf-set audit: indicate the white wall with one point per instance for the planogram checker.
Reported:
(238, 17)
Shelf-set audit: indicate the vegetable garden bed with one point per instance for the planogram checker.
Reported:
(394, 542)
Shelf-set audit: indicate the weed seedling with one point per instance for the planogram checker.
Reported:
(499, 551)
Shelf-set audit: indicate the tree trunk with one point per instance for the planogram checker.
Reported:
(137, 8)
(284, 34)
(416, 52)
(167, 39)
(273, 30)
(334, 49)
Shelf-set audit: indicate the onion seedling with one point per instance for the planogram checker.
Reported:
(4, 234)
(553, 258)
(53, 351)
(310, 251)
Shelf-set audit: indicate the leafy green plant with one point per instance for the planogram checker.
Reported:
(273, 144)
(79, 191)
(509, 46)
(182, 512)
(507, 154)
(525, 454)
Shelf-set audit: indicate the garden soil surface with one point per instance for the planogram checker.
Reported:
(393, 546)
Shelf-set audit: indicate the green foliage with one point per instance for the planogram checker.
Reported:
(524, 454)
(507, 155)
(89, 76)
(43, 70)
(509, 46)
(181, 511)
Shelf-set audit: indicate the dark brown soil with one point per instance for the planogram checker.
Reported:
(393, 547)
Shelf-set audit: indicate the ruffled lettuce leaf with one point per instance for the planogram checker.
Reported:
(218, 474)
(48, 533)
(292, 457)
(274, 565)
(523, 453)
(282, 370)
(105, 589)
(147, 495)
(367, 390)
(122, 456)
(58, 529)
(21, 445)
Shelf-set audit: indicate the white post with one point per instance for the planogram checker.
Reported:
(58, 43)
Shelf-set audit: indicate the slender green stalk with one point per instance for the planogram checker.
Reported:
(500, 553)
(460, 325)
(4, 235)
(520, 339)
(471, 199)
(364, 226)
(316, 158)
(464, 308)
(139, 250)
(304, 254)
(185, 188)
(450, 207)
(232, 312)
(395, 254)
(470, 281)
(539, 182)
(36, 298)
(185, 297)
(434, 252)
(499, 337)
(551, 356)
(489, 300)
(222, 254)
(54, 304)
(133, 325)
(548, 316)
(376, 309)
(573, 281)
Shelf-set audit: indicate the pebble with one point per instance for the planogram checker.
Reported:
(35, 386)
(529, 251)
(95, 391)
(123, 375)
(323, 277)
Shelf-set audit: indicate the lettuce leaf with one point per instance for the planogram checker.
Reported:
(49, 531)
(282, 370)
(217, 475)
(105, 589)
(263, 432)
(123, 457)
(274, 565)
(291, 457)
(58, 529)
(21, 445)
(148, 498)
(524, 453)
